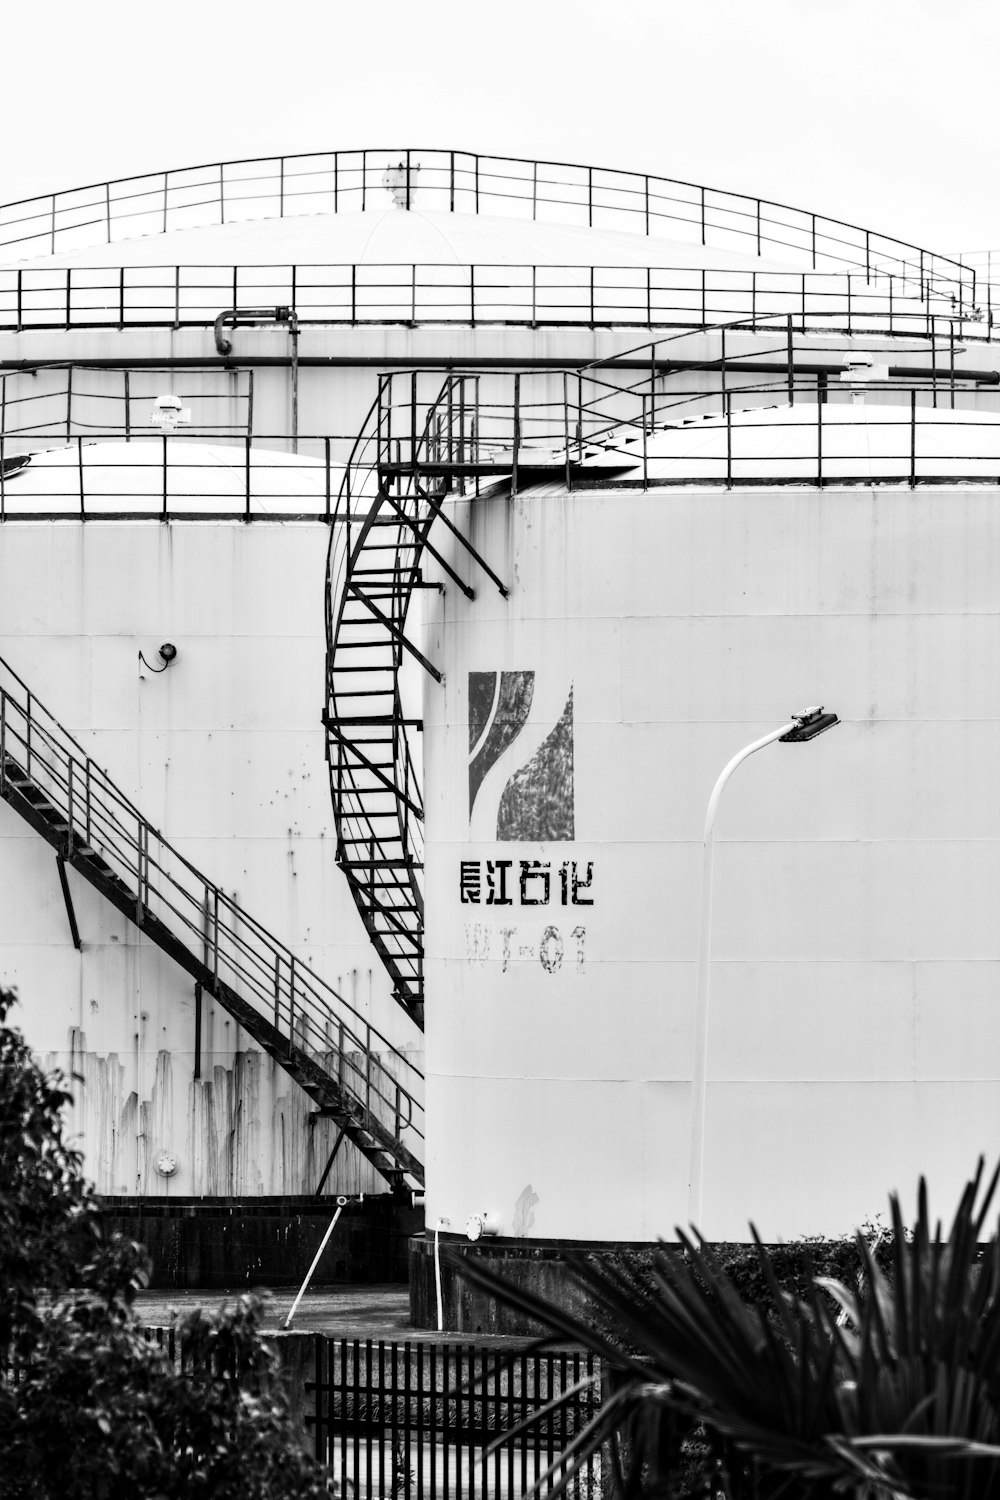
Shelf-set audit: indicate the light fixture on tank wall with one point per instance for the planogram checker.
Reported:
(167, 653)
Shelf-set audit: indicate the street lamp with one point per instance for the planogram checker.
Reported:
(802, 727)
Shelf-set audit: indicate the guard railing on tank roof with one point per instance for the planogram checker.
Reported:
(172, 476)
(191, 296)
(467, 182)
(598, 423)
(233, 948)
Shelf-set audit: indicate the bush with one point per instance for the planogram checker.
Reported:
(89, 1410)
(884, 1387)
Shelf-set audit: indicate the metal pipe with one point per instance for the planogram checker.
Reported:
(316, 1260)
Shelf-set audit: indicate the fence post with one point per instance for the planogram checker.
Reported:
(791, 364)
(913, 439)
(79, 475)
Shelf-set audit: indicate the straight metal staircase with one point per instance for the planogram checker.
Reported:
(353, 1073)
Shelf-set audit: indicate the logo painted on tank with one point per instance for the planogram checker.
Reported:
(535, 801)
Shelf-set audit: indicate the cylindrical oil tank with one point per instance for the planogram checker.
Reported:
(569, 755)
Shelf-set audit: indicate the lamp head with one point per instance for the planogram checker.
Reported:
(808, 724)
(167, 653)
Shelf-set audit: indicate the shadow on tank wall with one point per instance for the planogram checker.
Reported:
(225, 1243)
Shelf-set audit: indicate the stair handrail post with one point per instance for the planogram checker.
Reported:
(368, 1068)
(69, 805)
(277, 988)
(215, 940)
(341, 1055)
(3, 741)
(291, 1000)
(86, 799)
(27, 736)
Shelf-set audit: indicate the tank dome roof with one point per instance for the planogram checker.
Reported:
(384, 236)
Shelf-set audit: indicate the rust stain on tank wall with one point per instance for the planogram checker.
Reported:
(244, 1128)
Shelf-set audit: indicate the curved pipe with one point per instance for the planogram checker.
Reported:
(231, 316)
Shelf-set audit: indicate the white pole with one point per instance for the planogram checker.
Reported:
(316, 1259)
(700, 1064)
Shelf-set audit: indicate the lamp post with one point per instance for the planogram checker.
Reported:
(801, 728)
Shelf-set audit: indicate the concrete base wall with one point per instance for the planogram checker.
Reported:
(221, 1243)
(538, 1266)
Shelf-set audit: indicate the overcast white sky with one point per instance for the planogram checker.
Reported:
(880, 112)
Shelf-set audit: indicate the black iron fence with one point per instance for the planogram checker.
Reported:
(465, 182)
(419, 1420)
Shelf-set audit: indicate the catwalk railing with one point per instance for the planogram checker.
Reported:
(466, 182)
(200, 475)
(191, 296)
(639, 428)
(311, 1027)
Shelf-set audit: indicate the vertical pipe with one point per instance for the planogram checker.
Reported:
(326, 466)
(819, 440)
(69, 297)
(281, 187)
(177, 297)
(517, 432)
(197, 1030)
(791, 364)
(163, 440)
(128, 412)
(79, 476)
(121, 298)
(246, 475)
(645, 465)
(69, 401)
(107, 209)
(913, 439)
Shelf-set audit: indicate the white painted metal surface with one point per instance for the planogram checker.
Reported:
(856, 950)
(223, 752)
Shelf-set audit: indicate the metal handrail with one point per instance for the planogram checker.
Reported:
(306, 1011)
(458, 181)
(528, 422)
(159, 476)
(528, 295)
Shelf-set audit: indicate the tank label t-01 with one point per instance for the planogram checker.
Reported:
(551, 947)
(525, 882)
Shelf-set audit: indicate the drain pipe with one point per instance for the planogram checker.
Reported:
(232, 316)
(441, 1224)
